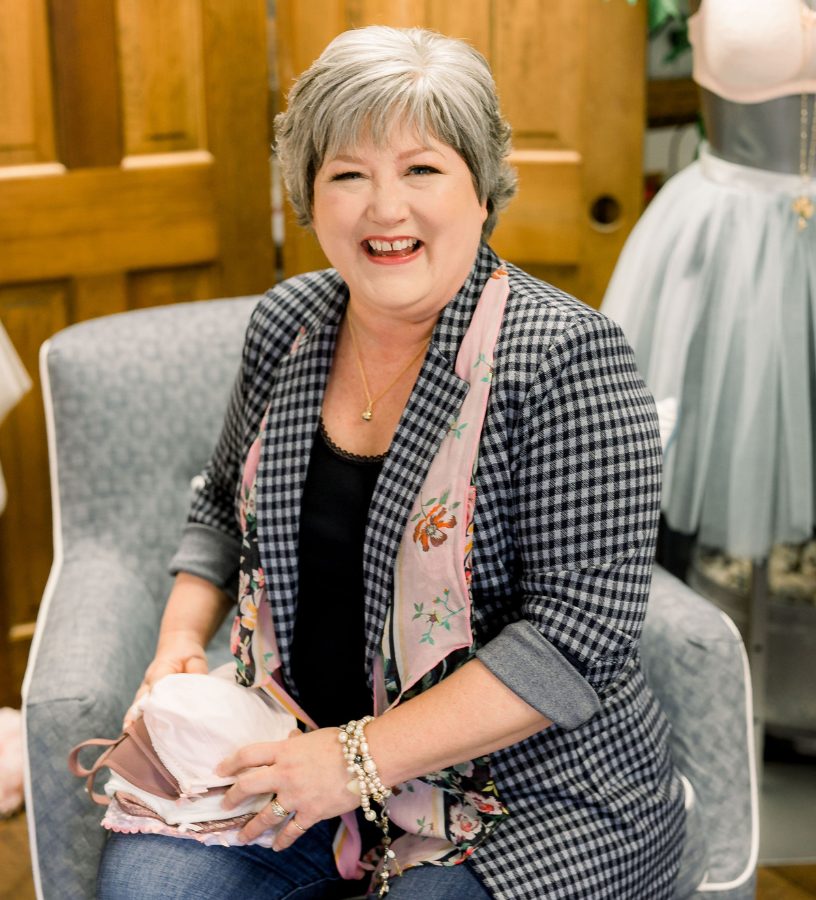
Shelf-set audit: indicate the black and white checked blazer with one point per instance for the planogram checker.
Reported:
(565, 527)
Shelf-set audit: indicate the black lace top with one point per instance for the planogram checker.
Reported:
(328, 651)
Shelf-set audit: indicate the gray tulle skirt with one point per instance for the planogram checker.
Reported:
(715, 291)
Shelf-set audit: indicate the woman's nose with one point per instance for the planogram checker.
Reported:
(387, 205)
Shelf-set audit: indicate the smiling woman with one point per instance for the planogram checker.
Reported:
(437, 484)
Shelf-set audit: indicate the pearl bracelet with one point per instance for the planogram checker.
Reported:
(360, 764)
(366, 782)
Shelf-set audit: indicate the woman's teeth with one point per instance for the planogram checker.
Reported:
(389, 246)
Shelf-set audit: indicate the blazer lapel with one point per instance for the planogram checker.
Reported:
(437, 395)
(295, 404)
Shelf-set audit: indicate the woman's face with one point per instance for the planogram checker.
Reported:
(423, 199)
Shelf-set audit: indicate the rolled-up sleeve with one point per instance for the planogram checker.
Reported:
(586, 487)
(532, 668)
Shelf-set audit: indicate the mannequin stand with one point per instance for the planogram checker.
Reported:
(756, 647)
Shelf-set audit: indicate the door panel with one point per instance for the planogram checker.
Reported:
(470, 21)
(134, 172)
(542, 224)
(26, 125)
(536, 61)
(570, 75)
(30, 314)
(86, 83)
(160, 53)
(164, 286)
(98, 295)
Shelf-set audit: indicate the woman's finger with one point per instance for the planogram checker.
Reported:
(248, 757)
(130, 715)
(293, 830)
(249, 784)
(196, 666)
(266, 819)
(155, 673)
(257, 825)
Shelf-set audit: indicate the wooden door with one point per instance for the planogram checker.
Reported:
(133, 172)
(571, 78)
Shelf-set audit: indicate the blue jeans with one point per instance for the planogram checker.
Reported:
(154, 867)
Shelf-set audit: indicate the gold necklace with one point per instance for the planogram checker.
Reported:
(803, 205)
(367, 413)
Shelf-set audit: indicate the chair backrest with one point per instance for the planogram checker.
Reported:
(137, 401)
(696, 664)
(134, 403)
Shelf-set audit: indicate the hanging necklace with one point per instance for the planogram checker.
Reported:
(367, 413)
(803, 205)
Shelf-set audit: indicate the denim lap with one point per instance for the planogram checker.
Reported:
(154, 867)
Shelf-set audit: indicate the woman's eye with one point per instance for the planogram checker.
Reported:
(345, 176)
(423, 170)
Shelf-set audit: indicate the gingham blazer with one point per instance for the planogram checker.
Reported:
(565, 526)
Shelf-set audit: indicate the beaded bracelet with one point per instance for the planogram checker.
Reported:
(366, 782)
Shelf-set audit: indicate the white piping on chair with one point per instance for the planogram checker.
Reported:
(749, 712)
(50, 587)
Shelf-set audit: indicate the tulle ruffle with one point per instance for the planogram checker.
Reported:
(715, 291)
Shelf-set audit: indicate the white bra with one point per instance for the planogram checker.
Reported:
(750, 51)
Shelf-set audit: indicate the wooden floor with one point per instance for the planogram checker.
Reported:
(782, 883)
(15, 867)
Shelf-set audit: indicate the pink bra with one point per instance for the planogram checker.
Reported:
(750, 51)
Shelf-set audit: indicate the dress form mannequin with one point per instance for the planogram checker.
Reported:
(716, 291)
(763, 135)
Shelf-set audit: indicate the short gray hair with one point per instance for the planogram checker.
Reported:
(368, 79)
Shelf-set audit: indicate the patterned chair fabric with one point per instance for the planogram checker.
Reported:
(696, 664)
(134, 404)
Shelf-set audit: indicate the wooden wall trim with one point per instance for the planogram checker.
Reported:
(86, 82)
(238, 137)
(32, 170)
(93, 221)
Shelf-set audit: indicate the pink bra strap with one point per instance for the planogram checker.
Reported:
(76, 767)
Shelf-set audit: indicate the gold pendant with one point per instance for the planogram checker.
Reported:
(366, 413)
(804, 208)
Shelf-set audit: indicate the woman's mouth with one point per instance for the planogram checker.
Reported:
(395, 250)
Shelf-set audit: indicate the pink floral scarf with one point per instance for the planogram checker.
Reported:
(427, 634)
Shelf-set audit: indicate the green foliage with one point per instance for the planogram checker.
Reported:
(661, 12)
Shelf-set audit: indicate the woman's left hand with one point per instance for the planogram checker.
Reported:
(306, 772)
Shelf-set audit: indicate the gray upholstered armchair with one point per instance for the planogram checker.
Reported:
(134, 404)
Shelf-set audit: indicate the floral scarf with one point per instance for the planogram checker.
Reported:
(427, 633)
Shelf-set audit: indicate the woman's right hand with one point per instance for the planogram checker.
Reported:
(176, 653)
(194, 611)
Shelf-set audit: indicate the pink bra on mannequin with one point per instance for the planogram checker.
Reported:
(742, 48)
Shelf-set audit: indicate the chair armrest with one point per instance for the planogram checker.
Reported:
(96, 634)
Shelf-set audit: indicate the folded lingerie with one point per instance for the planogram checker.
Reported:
(163, 765)
(132, 806)
(143, 787)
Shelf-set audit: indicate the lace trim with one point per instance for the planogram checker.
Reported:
(344, 454)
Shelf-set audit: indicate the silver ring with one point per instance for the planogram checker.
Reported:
(279, 811)
(304, 830)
